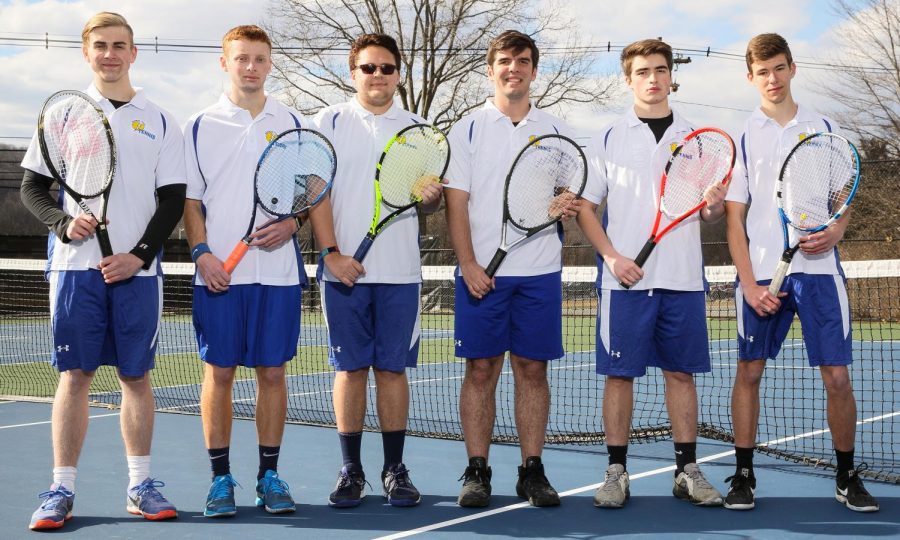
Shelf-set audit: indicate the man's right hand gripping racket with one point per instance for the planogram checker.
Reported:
(817, 183)
(547, 175)
(294, 172)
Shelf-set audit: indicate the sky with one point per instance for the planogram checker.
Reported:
(713, 92)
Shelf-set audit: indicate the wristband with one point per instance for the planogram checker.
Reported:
(199, 250)
(328, 250)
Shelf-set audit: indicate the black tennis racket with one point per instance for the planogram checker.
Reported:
(704, 157)
(294, 172)
(78, 148)
(817, 183)
(546, 176)
(412, 159)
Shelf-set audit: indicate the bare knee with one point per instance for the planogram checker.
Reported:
(270, 377)
(749, 373)
(483, 372)
(836, 379)
(529, 371)
(76, 381)
(678, 378)
(219, 377)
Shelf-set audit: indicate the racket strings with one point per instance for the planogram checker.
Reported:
(77, 144)
(546, 178)
(703, 161)
(818, 179)
(414, 159)
(296, 169)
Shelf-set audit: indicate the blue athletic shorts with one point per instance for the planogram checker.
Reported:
(821, 303)
(372, 325)
(522, 315)
(659, 328)
(96, 324)
(247, 325)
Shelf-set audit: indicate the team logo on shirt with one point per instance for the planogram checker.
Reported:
(673, 146)
(802, 136)
(270, 135)
(139, 127)
(531, 139)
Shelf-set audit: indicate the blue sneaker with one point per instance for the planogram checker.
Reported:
(349, 490)
(220, 499)
(274, 493)
(145, 500)
(55, 510)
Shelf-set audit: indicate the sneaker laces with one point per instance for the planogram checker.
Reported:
(347, 479)
(147, 489)
(696, 475)
(399, 476)
(51, 495)
(739, 478)
(276, 486)
(221, 488)
(473, 474)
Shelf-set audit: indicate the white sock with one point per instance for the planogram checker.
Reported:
(65, 477)
(138, 469)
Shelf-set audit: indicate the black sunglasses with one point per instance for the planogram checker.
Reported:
(369, 69)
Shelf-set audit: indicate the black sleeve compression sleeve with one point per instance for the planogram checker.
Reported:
(35, 194)
(169, 208)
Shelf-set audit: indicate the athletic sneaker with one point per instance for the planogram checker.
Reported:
(851, 492)
(55, 510)
(398, 489)
(274, 494)
(534, 486)
(476, 490)
(691, 485)
(145, 500)
(220, 499)
(615, 489)
(349, 490)
(740, 493)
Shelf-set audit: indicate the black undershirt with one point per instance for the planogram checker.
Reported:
(658, 125)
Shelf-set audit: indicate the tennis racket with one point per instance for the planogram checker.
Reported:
(546, 176)
(704, 157)
(78, 148)
(817, 183)
(412, 159)
(294, 172)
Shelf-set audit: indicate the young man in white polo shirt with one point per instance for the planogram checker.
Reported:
(520, 310)
(814, 290)
(660, 320)
(106, 309)
(372, 309)
(251, 317)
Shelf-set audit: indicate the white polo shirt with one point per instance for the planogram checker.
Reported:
(149, 155)
(223, 144)
(359, 138)
(483, 145)
(762, 148)
(628, 164)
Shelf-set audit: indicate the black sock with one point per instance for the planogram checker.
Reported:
(744, 457)
(268, 459)
(392, 441)
(219, 461)
(618, 455)
(685, 452)
(351, 445)
(844, 460)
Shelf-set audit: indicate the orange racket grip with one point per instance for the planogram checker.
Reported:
(236, 255)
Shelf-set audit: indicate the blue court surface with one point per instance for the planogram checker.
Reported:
(793, 500)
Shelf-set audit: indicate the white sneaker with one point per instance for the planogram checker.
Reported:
(691, 485)
(614, 491)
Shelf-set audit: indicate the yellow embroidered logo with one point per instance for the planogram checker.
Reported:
(802, 136)
(531, 139)
(270, 135)
(139, 127)
(673, 146)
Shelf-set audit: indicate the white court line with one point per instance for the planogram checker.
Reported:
(654, 472)
(48, 421)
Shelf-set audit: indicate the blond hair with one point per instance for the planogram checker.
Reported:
(105, 19)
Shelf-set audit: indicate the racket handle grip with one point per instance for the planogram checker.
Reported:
(103, 237)
(236, 255)
(495, 263)
(780, 271)
(363, 248)
(642, 257)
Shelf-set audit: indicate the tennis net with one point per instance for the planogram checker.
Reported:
(792, 421)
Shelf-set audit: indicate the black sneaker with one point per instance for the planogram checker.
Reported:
(533, 485)
(476, 490)
(740, 494)
(349, 490)
(851, 492)
(398, 489)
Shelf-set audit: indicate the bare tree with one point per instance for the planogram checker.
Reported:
(866, 82)
(442, 43)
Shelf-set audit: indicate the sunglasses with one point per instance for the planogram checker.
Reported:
(369, 69)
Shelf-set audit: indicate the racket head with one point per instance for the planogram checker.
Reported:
(413, 158)
(548, 173)
(77, 143)
(818, 180)
(294, 172)
(704, 158)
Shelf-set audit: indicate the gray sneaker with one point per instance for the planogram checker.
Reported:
(691, 485)
(614, 491)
